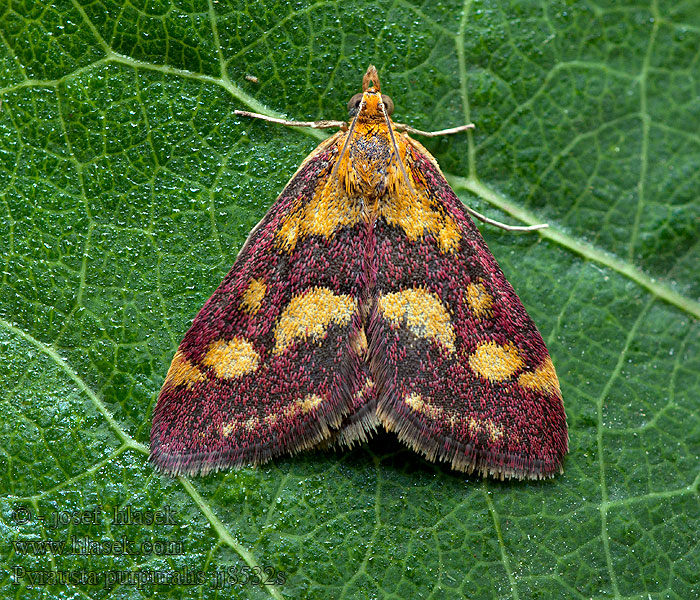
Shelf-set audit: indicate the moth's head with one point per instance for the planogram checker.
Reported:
(370, 103)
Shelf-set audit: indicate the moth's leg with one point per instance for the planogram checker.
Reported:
(313, 124)
(485, 219)
(451, 130)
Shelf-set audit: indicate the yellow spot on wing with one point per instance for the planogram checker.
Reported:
(231, 359)
(449, 235)
(182, 372)
(495, 362)
(542, 378)
(309, 403)
(425, 315)
(306, 405)
(252, 298)
(417, 215)
(479, 300)
(310, 314)
(495, 431)
(327, 211)
(288, 232)
(417, 404)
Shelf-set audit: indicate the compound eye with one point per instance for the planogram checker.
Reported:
(388, 104)
(354, 104)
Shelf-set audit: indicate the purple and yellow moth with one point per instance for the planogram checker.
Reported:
(366, 298)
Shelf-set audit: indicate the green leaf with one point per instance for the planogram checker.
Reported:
(128, 187)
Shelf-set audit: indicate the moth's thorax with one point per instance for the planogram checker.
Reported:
(369, 167)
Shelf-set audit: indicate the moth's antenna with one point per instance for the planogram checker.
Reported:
(396, 148)
(334, 172)
(370, 76)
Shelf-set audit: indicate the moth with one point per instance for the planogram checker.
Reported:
(365, 299)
